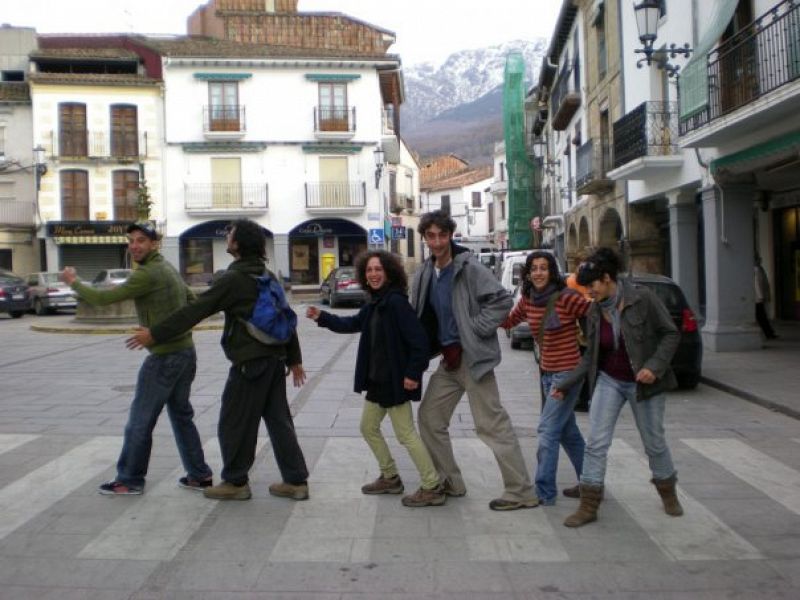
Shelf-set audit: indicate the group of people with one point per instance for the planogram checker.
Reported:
(454, 311)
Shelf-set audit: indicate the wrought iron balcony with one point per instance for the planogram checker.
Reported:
(650, 129)
(226, 198)
(593, 162)
(224, 119)
(16, 213)
(334, 121)
(566, 96)
(761, 58)
(125, 146)
(336, 196)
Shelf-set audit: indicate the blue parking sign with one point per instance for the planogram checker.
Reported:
(376, 236)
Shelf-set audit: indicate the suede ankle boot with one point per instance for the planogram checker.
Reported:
(591, 496)
(666, 489)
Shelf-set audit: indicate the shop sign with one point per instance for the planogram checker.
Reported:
(87, 228)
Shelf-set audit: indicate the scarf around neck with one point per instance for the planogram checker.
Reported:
(540, 299)
(610, 307)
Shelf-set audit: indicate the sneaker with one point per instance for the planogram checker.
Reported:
(503, 504)
(422, 497)
(288, 490)
(194, 484)
(228, 491)
(572, 492)
(384, 485)
(449, 490)
(117, 488)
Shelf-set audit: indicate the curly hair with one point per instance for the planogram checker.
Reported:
(440, 218)
(554, 272)
(250, 238)
(599, 262)
(395, 274)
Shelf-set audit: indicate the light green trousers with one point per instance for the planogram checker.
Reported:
(403, 423)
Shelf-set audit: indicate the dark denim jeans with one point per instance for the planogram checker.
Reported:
(557, 426)
(163, 380)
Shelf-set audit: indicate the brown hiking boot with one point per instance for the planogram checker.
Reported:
(449, 490)
(572, 492)
(666, 489)
(503, 504)
(288, 490)
(422, 497)
(591, 496)
(228, 491)
(384, 485)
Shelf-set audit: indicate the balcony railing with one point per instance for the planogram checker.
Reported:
(16, 213)
(387, 120)
(650, 129)
(566, 97)
(334, 120)
(223, 119)
(124, 146)
(336, 195)
(226, 197)
(761, 58)
(593, 161)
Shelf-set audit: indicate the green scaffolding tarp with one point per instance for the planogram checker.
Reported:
(523, 196)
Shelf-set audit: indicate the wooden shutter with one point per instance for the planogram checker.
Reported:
(72, 129)
(124, 131)
(74, 195)
(126, 186)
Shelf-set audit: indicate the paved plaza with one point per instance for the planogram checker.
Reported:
(63, 405)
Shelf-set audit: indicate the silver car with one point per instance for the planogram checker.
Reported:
(49, 294)
(111, 277)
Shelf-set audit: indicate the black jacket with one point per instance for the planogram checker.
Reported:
(406, 342)
(235, 293)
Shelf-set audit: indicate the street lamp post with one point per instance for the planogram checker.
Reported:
(648, 12)
(379, 158)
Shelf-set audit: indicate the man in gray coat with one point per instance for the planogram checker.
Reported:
(461, 305)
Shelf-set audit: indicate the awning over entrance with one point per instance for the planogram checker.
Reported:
(90, 239)
(758, 157)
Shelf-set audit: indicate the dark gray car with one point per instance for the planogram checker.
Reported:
(14, 296)
(342, 287)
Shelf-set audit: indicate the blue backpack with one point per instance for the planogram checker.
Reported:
(273, 321)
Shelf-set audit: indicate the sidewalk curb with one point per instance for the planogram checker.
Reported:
(768, 404)
(108, 330)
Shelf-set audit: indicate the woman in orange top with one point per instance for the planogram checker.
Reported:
(545, 297)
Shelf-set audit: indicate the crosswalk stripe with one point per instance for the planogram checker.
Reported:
(697, 535)
(336, 524)
(519, 536)
(755, 468)
(160, 522)
(28, 496)
(9, 441)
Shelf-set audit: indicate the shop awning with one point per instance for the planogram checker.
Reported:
(91, 239)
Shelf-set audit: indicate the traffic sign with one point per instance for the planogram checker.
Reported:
(376, 236)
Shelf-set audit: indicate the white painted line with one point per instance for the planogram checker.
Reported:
(697, 535)
(25, 498)
(772, 477)
(160, 522)
(9, 441)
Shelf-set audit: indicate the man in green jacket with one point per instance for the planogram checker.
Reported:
(166, 375)
(256, 386)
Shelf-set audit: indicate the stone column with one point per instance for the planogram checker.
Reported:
(730, 306)
(170, 250)
(280, 243)
(683, 244)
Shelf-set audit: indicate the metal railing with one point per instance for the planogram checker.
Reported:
(226, 196)
(124, 146)
(650, 129)
(223, 118)
(329, 119)
(593, 161)
(336, 195)
(16, 213)
(567, 88)
(759, 59)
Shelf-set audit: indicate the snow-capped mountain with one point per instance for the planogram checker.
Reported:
(464, 77)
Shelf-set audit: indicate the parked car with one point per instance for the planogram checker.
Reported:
(111, 277)
(14, 296)
(520, 334)
(688, 359)
(341, 286)
(48, 293)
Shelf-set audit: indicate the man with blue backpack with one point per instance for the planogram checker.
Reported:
(260, 340)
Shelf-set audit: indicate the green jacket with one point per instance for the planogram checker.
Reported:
(235, 294)
(157, 290)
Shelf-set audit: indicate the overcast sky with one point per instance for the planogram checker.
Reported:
(426, 29)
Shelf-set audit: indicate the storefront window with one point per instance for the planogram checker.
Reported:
(197, 261)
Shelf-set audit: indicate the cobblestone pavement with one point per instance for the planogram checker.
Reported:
(63, 405)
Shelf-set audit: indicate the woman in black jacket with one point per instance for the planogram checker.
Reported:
(631, 340)
(392, 356)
